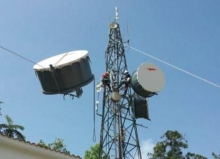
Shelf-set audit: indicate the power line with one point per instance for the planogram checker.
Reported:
(24, 58)
(177, 68)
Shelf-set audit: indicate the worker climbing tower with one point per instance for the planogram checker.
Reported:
(118, 136)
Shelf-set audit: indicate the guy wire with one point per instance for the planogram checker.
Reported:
(24, 58)
(177, 68)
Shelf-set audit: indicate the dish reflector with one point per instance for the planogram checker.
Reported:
(140, 108)
(147, 80)
(65, 72)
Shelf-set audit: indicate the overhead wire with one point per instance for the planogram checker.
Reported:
(24, 58)
(135, 49)
(175, 67)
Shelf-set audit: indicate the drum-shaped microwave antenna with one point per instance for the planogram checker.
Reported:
(140, 107)
(147, 80)
(64, 73)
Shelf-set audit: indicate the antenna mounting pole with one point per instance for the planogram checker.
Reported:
(116, 14)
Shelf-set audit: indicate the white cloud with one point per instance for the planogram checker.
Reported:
(146, 147)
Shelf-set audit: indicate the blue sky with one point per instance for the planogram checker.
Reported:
(183, 33)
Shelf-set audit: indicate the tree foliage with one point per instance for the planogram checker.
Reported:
(57, 145)
(0, 107)
(93, 153)
(190, 155)
(11, 130)
(171, 148)
(215, 156)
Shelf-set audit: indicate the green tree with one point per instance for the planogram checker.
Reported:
(215, 156)
(190, 155)
(171, 147)
(93, 153)
(11, 130)
(57, 145)
(0, 107)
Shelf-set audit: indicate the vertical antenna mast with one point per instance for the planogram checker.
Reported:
(116, 14)
(118, 136)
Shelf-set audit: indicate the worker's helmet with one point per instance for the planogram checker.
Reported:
(126, 72)
(107, 73)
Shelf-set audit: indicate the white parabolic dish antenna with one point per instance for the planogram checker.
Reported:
(147, 80)
(65, 72)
